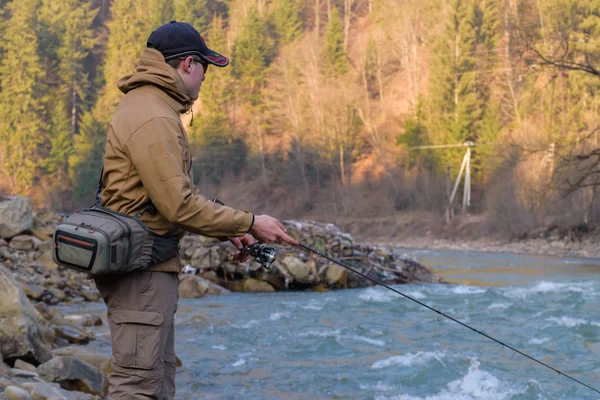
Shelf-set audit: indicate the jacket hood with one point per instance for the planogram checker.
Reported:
(153, 70)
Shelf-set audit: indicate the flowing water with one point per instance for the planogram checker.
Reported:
(374, 344)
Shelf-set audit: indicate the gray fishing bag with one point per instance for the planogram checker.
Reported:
(100, 241)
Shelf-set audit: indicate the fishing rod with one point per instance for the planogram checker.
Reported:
(265, 255)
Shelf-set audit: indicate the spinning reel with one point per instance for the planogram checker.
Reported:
(264, 255)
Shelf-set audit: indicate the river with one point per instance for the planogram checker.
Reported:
(374, 344)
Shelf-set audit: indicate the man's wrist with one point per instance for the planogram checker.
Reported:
(251, 224)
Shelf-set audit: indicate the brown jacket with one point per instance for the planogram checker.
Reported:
(148, 159)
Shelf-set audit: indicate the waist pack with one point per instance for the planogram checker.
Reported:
(101, 241)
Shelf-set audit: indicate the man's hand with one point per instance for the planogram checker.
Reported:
(267, 229)
(240, 243)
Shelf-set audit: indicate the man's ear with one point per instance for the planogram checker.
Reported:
(187, 64)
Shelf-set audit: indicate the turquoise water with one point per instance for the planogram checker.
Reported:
(373, 344)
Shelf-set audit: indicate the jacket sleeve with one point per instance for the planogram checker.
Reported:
(156, 152)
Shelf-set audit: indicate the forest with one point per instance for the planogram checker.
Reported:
(329, 108)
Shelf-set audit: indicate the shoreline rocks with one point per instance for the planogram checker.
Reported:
(294, 268)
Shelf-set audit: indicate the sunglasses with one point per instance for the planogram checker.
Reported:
(204, 64)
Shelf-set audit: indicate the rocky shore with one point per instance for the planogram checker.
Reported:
(550, 241)
(40, 356)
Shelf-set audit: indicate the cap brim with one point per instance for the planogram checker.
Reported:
(215, 58)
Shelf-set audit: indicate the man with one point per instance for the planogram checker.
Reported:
(148, 170)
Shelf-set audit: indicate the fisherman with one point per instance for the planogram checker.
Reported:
(148, 162)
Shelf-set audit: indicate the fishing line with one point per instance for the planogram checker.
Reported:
(449, 317)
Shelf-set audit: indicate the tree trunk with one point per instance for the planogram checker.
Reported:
(74, 108)
(342, 166)
(347, 18)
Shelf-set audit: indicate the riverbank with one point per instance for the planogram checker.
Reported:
(471, 233)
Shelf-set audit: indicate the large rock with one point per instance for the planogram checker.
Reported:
(33, 291)
(98, 360)
(53, 391)
(192, 287)
(15, 216)
(254, 285)
(74, 374)
(73, 334)
(336, 275)
(299, 270)
(16, 393)
(24, 333)
(22, 242)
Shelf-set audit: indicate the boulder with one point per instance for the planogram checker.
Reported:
(21, 373)
(45, 391)
(44, 234)
(85, 319)
(336, 275)
(22, 242)
(90, 295)
(15, 216)
(74, 374)
(254, 285)
(53, 391)
(32, 291)
(98, 360)
(72, 334)
(297, 269)
(17, 393)
(58, 294)
(25, 366)
(24, 333)
(192, 287)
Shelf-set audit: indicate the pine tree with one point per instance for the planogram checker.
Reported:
(131, 24)
(215, 145)
(61, 144)
(162, 12)
(21, 83)
(196, 13)
(85, 163)
(335, 56)
(459, 95)
(76, 42)
(252, 53)
(286, 20)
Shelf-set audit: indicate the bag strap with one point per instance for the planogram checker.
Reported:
(99, 189)
(149, 207)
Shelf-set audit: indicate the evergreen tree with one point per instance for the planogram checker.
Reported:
(214, 143)
(459, 97)
(286, 20)
(252, 53)
(61, 144)
(76, 42)
(162, 11)
(335, 55)
(196, 13)
(85, 163)
(21, 83)
(131, 24)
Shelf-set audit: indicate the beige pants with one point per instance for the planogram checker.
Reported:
(141, 311)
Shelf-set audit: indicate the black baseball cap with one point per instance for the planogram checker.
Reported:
(180, 39)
